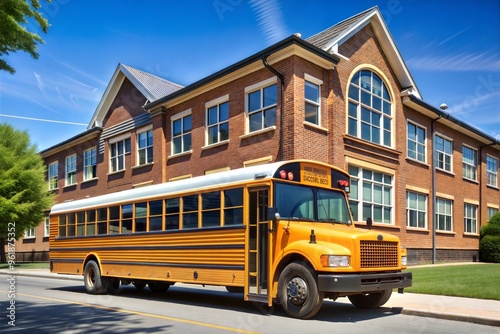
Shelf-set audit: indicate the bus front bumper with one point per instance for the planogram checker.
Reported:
(364, 282)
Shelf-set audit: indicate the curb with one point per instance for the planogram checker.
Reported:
(395, 310)
(454, 317)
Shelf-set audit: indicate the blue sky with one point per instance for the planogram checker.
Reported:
(452, 49)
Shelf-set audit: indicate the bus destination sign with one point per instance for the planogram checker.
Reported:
(315, 175)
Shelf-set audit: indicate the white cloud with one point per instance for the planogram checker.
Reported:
(457, 62)
(270, 19)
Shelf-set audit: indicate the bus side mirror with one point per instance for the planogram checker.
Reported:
(272, 215)
(369, 223)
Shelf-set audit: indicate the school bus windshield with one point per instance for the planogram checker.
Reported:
(298, 202)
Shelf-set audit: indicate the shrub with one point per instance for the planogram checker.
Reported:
(489, 246)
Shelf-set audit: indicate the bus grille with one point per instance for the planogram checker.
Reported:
(376, 254)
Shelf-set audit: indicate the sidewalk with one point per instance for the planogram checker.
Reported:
(480, 311)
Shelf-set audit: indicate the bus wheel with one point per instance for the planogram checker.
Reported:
(234, 289)
(139, 284)
(114, 285)
(371, 300)
(158, 286)
(94, 282)
(298, 292)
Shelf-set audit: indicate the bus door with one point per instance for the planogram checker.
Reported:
(258, 245)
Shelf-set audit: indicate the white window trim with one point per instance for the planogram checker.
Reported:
(438, 134)
(251, 89)
(119, 138)
(486, 161)
(359, 177)
(66, 170)
(139, 132)
(425, 141)
(115, 140)
(26, 236)
(318, 82)
(448, 199)
(210, 104)
(56, 175)
(426, 210)
(46, 223)
(84, 165)
(476, 207)
(476, 166)
(175, 117)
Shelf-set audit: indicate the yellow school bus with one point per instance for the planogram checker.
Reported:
(279, 233)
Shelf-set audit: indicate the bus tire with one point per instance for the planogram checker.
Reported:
(157, 286)
(139, 284)
(298, 292)
(94, 282)
(114, 285)
(371, 300)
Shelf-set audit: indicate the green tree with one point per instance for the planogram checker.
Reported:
(489, 246)
(14, 16)
(24, 194)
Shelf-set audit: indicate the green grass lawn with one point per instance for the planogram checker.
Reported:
(27, 265)
(472, 281)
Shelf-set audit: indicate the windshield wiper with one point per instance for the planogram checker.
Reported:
(332, 220)
(306, 219)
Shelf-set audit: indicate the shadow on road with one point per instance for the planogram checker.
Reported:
(210, 297)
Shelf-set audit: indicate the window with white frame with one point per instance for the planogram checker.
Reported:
(181, 132)
(261, 102)
(371, 195)
(469, 163)
(312, 89)
(217, 120)
(46, 225)
(370, 109)
(491, 171)
(117, 151)
(416, 142)
(444, 153)
(71, 170)
(53, 175)
(145, 147)
(416, 210)
(470, 218)
(444, 214)
(491, 212)
(29, 233)
(90, 164)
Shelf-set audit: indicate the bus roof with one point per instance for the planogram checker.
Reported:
(192, 184)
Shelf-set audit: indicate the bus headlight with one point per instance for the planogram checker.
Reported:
(404, 260)
(335, 260)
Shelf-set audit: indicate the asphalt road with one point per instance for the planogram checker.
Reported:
(45, 305)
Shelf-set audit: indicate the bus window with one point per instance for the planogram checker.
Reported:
(210, 203)
(140, 217)
(102, 221)
(155, 215)
(114, 219)
(332, 207)
(172, 214)
(90, 222)
(190, 211)
(233, 206)
(294, 202)
(80, 223)
(62, 225)
(126, 218)
(71, 224)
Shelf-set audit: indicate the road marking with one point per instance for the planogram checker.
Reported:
(191, 322)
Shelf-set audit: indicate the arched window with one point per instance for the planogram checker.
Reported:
(369, 110)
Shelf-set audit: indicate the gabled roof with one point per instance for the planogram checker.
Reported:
(331, 38)
(151, 86)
